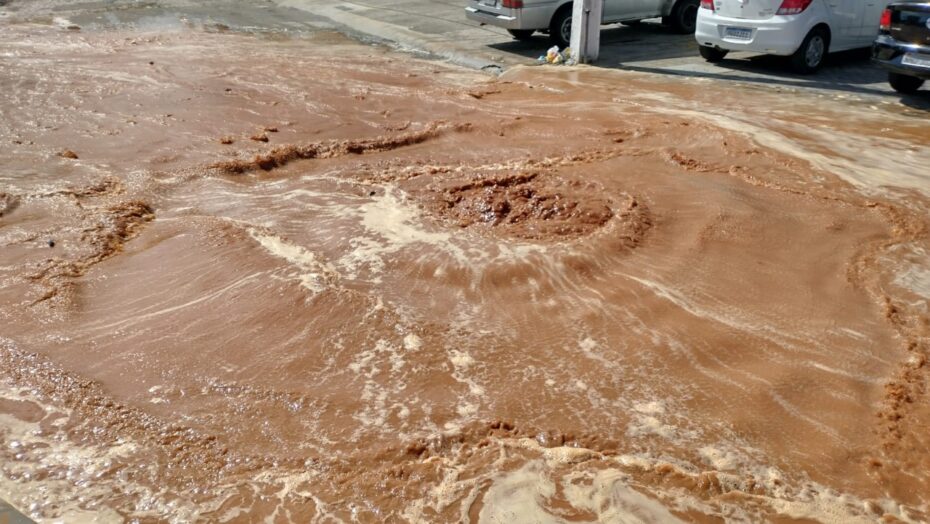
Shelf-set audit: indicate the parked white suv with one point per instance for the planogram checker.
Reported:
(522, 18)
(805, 30)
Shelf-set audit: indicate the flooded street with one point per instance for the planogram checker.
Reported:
(289, 278)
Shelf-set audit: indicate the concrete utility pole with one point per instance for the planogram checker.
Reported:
(586, 29)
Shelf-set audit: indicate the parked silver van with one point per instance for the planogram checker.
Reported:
(522, 18)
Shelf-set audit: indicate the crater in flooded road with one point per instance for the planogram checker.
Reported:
(309, 280)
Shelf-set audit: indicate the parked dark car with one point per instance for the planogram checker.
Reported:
(903, 45)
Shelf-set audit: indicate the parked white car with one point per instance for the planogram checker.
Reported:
(522, 18)
(805, 30)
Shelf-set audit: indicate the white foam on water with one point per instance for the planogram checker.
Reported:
(394, 224)
(877, 380)
(862, 165)
(607, 494)
(72, 496)
(522, 495)
(593, 350)
(611, 492)
(654, 407)
(314, 274)
(62, 22)
(462, 360)
(721, 459)
(914, 274)
(824, 506)
(412, 342)
(376, 406)
(468, 405)
(643, 425)
(518, 497)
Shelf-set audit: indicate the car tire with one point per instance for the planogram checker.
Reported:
(712, 54)
(810, 56)
(560, 28)
(521, 34)
(683, 19)
(904, 84)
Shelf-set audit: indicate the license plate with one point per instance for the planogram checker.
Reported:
(914, 60)
(738, 33)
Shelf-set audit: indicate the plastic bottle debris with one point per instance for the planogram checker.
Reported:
(555, 57)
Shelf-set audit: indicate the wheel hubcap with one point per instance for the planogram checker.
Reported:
(567, 30)
(815, 51)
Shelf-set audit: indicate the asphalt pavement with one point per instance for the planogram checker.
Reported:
(9, 515)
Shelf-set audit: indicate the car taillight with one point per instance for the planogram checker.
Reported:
(885, 23)
(513, 4)
(707, 4)
(793, 7)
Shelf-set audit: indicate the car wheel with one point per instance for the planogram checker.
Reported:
(521, 34)
(684, 16)
(560, 29)
(904, 84)
(712, 54)
(809, 57)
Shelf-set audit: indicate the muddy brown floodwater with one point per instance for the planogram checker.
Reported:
(425, 295)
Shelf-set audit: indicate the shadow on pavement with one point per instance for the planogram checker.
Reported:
(919, 100)
(648, 40)
(644, 47)
(793, 81)
(848, 71)
(836, 63)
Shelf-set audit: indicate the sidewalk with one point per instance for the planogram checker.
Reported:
(441, 29)
(438, 28)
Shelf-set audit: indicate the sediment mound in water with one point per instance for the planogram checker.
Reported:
(281, 156)
(536, 206)
(105, 232)
(8, 203)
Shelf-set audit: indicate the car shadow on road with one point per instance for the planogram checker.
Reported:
(919, 100)
(848, 71)
(823, 80)
(852, 65)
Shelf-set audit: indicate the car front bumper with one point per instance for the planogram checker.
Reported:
(888, 53)
(525, 18)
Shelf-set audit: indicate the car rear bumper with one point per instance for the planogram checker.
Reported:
(779, 35)
(888, 53)
(525, 18)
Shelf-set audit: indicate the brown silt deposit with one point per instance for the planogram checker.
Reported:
(559, 295)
